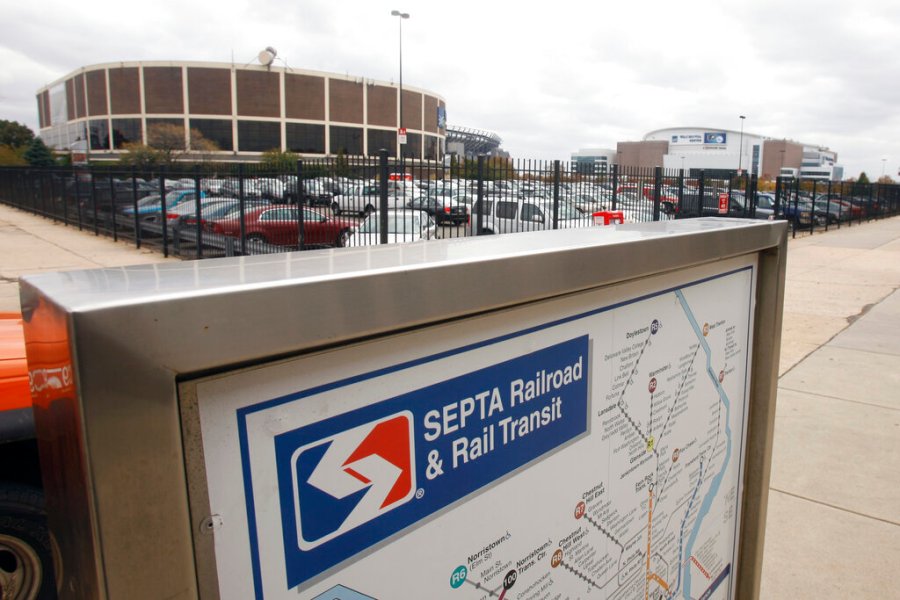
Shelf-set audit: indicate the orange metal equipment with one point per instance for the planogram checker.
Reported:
(14, 389)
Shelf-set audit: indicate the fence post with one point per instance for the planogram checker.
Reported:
(198, 221)
(680, 193)
(78, 200)
(134, 205)
(112, 207)
(479, 194)
(242, 204)
(555, 194)
(657, 189)
(301, 215)
(778, 211)
(750, 196)
(94, 203)
(615, 186)
(163, 210)
(63, 194)
(701, 192)
(383, 196)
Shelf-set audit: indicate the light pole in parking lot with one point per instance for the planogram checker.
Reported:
(741, 143)
(401, 137)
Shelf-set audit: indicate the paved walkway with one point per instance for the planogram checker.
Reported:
(833, 528)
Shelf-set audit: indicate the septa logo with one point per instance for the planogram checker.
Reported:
(350, 478)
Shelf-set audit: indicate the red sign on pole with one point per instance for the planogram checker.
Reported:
(402, 134)
(723, 204)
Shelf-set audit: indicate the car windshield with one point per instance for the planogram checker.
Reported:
(568, 211)
(396, 224)
(148, 201)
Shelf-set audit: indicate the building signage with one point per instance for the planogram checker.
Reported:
(441, 117)
(684, 139)
(715, 137)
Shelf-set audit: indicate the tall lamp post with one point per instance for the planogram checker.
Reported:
(400, 139)
(741, 143)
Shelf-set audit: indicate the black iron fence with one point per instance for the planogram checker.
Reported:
(212, 210)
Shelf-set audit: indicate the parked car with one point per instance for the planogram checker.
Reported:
(218, 208)
(277, 224)
(524, 214)
(152, 205)
(365, 200)
(846, 209)
(801, 212)
(403, 226)
(442, 209)
(108, 194)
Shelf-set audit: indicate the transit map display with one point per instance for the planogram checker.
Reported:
(589, 446)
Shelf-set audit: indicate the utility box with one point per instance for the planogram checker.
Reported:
(582, 413)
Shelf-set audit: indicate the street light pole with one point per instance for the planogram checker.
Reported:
(400, 141)
(741, 149)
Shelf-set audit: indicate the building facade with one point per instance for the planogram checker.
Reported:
(243, 110)
(722, 152)
(593, 161)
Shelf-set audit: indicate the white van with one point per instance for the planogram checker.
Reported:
(511, 215)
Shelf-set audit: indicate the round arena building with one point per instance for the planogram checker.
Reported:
(243, 110)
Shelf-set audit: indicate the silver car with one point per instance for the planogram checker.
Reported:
(403, 226)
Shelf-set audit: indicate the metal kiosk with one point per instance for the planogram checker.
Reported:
(569, 414)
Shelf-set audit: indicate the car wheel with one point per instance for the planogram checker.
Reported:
(343, 239)
(369, 209)
(26, 549)
(256, 237)
(487, 232)
(335, 208)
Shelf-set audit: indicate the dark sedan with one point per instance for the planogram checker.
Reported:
(278, 225)
(442, 209)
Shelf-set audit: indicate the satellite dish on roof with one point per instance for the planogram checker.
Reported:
(267, 56)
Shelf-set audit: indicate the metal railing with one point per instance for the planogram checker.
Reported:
(210, 210)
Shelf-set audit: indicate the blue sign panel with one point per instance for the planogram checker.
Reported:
(441, 117)
(348, 482)
(715, 137)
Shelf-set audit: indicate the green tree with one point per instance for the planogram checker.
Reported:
(141, 156)
(341, 165)
(278, 161)
(862, 185)
(12, 157)
(38, 154)
(14, 134)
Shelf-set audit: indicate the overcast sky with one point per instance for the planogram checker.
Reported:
(548, 77)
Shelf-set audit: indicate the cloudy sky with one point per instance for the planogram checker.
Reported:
(548, 77)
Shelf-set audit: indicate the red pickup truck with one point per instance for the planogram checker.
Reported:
(26, 556)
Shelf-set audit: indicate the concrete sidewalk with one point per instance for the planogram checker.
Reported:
(32, 244)
(833, 527)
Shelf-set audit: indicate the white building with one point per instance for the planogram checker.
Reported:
(724, 151)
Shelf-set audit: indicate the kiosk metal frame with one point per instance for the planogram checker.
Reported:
(113, 444)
